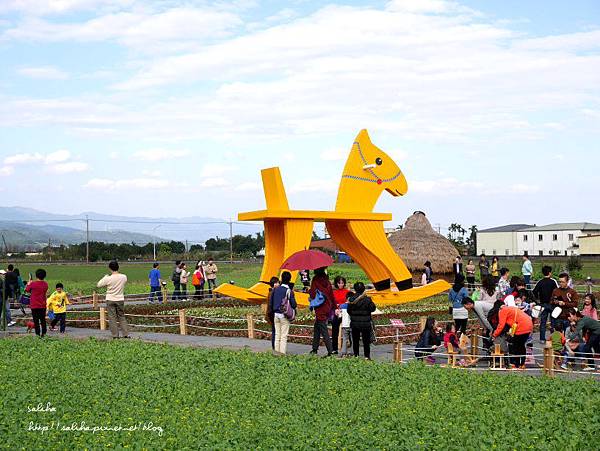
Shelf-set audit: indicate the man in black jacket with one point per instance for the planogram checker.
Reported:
(543, 292)
(360, 307)
(457, 266)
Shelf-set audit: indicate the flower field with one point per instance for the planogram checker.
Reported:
(131, 394)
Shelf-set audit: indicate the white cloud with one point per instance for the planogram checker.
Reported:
(57, 157)
(149, 173)
(213, 182)
(521, 188)
(212, 170)
(144, 29)
(42, 7)
(116, 185)
(314, 185)
(6, 171)
(23, 158)
(44, 73)
(68, 167)
(444, 186)
(248, 186)
(334, 154)
(160, 154)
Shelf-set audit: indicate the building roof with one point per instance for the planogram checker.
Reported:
(506, 228)
(583, 226)
(596, 235)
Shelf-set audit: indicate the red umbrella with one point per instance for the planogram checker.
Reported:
(307, 259)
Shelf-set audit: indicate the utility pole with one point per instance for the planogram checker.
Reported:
(87, 239)
(50, 249)
(230, 240)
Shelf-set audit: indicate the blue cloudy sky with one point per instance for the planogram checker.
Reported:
(492, 109)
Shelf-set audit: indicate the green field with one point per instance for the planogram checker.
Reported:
(221, 400)
(81, 278)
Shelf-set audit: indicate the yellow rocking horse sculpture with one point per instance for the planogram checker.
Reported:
(353, 226)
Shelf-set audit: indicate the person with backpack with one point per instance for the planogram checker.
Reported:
(360, 307)
(176, 279)
(270, 315)
(283, 305)
(198, 281)
(320, 288)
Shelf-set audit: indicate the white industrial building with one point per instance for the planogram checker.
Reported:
(518, 239)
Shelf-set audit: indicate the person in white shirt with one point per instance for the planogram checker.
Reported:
(115, 300)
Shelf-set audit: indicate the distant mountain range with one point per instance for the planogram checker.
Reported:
(29, 228)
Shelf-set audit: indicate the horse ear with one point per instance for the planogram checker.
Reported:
(363, 137)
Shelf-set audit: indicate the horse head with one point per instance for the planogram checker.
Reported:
(368, 171)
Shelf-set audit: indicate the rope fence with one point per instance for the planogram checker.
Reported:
(468, 357)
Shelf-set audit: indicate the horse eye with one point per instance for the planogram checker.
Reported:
(379, 161)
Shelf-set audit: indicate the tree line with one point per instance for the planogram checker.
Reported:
(243, 246)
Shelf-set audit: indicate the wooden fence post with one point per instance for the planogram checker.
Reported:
(398, 354)
(548, 359)
(165, 294)
(94, 299)
(497, 358)
(182, 322)
(422, 322)
(451, 355)
(250, 319)
(102, 318)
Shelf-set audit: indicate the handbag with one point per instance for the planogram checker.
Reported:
(373, 334)
(513, 328)
(317, 301)
(25, 299)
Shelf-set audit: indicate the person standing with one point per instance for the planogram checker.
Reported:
(470, 269)
(509, 316)
(154, 278)
(57, 303)
(270, 315)
(115, 300)
(543, 293)
(38, 289)
(340, 294)
(11, 290)
(198, 281)
(360, 307)
(460, 314)
(504, 287)
(565, 298)
(320, 282)
(428, 272)
(484, 267)
(211, 271)
(183, 280)
(176, 279)
(527, 271)
(282, 324)
(589, 306)
(494, 269)
(457, 267)
(305, 279)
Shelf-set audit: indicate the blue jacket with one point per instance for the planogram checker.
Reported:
(277, 296)
(456, 298)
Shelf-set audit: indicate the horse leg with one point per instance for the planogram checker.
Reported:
(375, 270)
(371, 234)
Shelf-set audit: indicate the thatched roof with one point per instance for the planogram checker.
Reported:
(417, 242)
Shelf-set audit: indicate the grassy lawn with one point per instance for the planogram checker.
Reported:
(83, 278)
(192, 398)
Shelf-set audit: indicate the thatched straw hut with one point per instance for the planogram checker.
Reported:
(417, 242)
